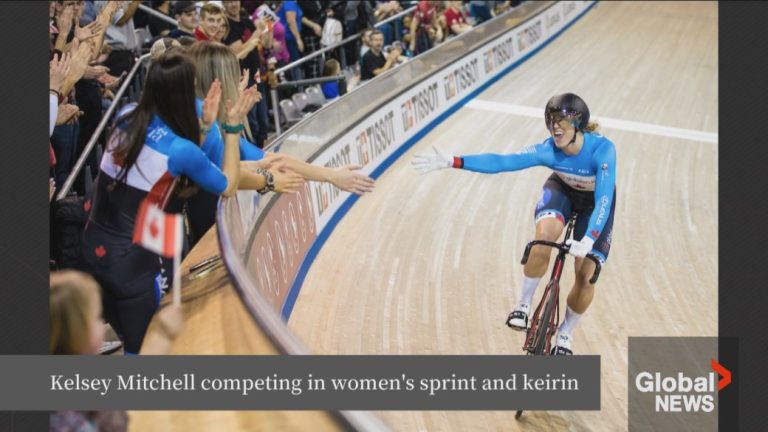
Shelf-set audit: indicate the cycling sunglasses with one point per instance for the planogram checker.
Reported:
(555, 116)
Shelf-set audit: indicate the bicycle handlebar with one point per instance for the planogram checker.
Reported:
(564, 248)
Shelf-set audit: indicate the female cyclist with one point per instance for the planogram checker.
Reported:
(584, 165)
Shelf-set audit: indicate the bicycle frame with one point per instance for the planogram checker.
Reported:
(551, 295)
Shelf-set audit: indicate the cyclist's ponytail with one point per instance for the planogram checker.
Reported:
(592, 127)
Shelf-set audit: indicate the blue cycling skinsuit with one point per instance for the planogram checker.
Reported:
(578, 182)
(133, 278)
(201, 208)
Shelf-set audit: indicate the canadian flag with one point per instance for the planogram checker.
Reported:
(158, 231)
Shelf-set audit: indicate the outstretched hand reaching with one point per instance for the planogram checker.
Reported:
(427, 162)
(346, 179)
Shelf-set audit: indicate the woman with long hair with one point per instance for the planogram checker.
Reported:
(153, 153)
(216, 60)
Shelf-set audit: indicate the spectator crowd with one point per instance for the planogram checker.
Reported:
(207, 87)
(265, 35)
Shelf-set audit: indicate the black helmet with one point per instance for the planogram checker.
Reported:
(567, 105)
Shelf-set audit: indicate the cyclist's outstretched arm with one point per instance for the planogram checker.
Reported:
(489, 163)
(605, 183)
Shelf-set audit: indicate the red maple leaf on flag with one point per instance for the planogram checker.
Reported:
(158, 231)
(153, 229)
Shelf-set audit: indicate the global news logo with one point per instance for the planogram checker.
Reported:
(682, 393)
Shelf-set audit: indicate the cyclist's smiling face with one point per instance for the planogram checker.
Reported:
(562, 132)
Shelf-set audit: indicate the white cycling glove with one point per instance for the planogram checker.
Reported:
(582, 247)
(427, 162)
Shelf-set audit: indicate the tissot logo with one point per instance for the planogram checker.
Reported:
(683, 393)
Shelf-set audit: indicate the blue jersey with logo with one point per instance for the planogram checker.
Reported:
(163, 151)
(213, 146)
(592, 169)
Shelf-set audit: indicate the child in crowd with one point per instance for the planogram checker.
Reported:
(331, 89)
(75, 327)
(75, 324)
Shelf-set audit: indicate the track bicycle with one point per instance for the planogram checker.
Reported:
(546, 317)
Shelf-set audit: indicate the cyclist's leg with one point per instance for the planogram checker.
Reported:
(582, 292)
(552, 210)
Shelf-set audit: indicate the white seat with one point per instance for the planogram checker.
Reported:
(300, 100)
(290, 111)
(316, 96)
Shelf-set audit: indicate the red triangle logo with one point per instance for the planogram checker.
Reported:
(723, 372)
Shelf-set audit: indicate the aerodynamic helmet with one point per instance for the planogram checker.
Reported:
(567, 105)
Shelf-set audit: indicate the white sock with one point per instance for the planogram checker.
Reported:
(529, 287)
(569, 323)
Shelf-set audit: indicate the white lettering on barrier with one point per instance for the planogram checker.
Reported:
(304, 207)
(286, 234)
(271, 268)
(281, 249)
(284, 237)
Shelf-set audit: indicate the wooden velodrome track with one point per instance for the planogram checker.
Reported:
(430, 264)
